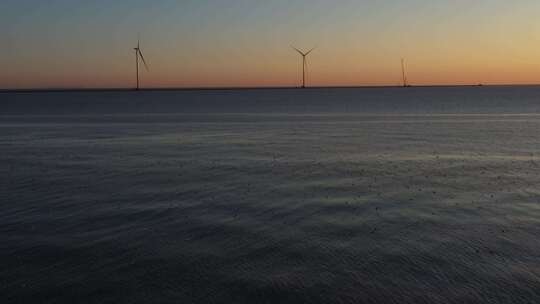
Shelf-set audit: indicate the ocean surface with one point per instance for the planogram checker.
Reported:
(382, 195)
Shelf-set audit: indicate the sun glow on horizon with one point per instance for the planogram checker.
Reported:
(247, 43)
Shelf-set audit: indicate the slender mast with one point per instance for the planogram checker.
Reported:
(303, 71)
(403, 72)
(137, 65)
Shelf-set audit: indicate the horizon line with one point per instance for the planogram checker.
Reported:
(223, 88)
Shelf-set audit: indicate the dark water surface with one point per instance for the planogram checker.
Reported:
(420, 195)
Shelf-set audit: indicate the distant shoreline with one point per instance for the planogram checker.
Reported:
(44, 90)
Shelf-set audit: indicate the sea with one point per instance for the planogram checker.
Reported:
(321, 195)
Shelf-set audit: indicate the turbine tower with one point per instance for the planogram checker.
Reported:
(304, 64)
(405, 84)
(138, 54)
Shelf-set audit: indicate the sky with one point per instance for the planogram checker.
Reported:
(216, 43)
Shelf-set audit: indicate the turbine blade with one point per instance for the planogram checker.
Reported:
(144, 61)
(310, 51)
(301, 53)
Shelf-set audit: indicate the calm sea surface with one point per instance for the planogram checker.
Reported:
(419, 195)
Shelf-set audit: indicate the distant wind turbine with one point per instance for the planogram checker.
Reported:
(304, 63)
(138, 54)
(404, 75)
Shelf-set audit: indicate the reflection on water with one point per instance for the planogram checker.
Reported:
(363, 207)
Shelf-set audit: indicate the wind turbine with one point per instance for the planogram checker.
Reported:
(138, 54)
(304, 64)
(405, 84)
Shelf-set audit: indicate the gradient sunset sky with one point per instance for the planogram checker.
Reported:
(192, 43)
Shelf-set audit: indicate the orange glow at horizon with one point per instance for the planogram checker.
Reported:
(358, 44)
